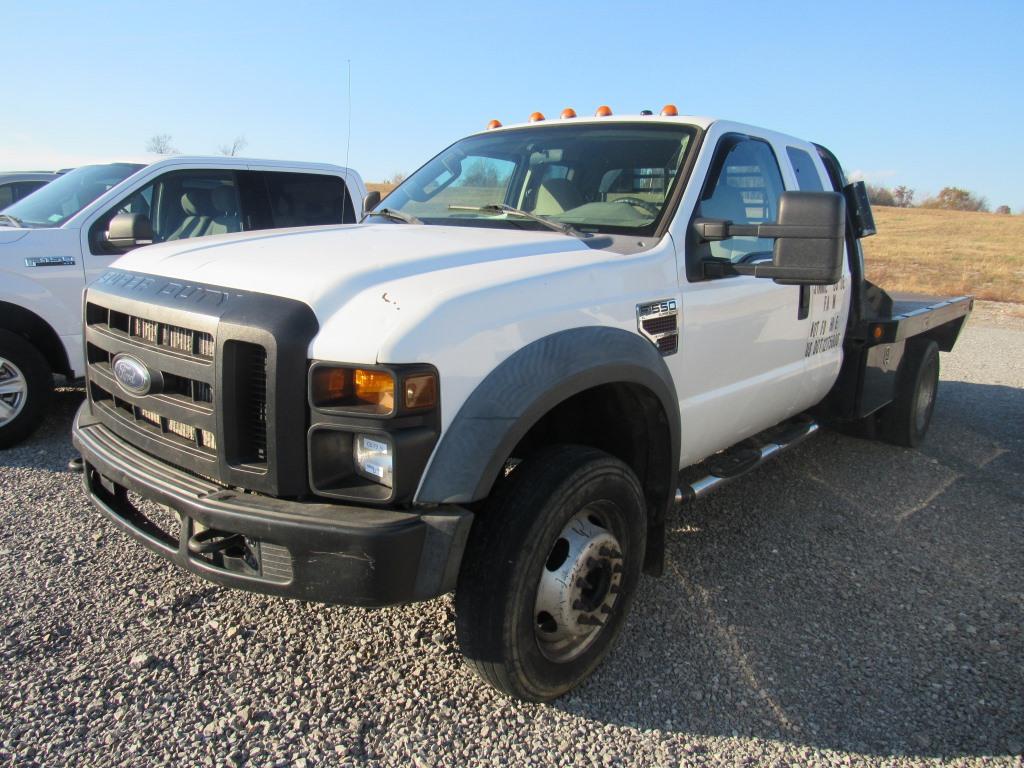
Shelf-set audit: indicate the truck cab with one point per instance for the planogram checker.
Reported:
(556, 333)
(57, 239)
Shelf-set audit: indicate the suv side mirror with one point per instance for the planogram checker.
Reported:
(129, 230)
(370, 201)
(808, 238)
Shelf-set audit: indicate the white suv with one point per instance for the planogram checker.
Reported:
(56, 240)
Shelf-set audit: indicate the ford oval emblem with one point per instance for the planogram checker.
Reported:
(132, 374)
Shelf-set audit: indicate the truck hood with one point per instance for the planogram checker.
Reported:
(370, 278)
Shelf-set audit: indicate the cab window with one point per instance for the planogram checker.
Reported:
(179, 205)
(308, 199)
(743, 187)
(807, 178)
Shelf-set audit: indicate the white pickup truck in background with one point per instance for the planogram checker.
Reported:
(55, 240)
(554, 334)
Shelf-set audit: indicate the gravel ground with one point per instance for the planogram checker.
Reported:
(854, 603)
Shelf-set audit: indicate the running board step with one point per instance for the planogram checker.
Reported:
(737, 461)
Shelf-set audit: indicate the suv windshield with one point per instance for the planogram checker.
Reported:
(62, 198)
(612, 178)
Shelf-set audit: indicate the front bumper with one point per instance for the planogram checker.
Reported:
(329, 553)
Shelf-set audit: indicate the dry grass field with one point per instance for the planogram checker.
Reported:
(940, 252)
(947, 252)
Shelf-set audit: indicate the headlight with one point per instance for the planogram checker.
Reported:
(354, 389)
(372, 429)
(374, 458)
(371, 392)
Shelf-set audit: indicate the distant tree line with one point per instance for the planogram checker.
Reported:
(948, 199)
(163, 144)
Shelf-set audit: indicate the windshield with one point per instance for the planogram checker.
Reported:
(63, 197)
(612, 178)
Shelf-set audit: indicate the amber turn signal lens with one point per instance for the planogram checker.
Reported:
(421, 391)
(568, 112)
(375, 388)
(877, 332)
(494, 124)
(603, 111)
(536, 117)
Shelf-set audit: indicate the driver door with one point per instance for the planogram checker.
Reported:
(741, 355)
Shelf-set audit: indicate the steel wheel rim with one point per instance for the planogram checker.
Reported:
(925, 400)
(579, 586)
(13, 391)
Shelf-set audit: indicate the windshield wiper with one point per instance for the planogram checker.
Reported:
(565, 229)
(391, 213)
(13, 219)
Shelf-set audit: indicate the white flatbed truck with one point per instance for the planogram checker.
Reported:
(537, 346)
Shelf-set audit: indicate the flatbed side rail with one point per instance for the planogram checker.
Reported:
(938, 318)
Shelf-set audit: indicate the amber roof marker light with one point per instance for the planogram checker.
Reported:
(669, 110)
(567, 113)
(536, 117)
(603, 111)
(493, 124)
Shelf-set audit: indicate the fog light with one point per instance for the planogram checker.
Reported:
(374, 458)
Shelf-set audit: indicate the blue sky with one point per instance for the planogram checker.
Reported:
(923, 94)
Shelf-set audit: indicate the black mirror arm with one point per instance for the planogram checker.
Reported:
(711, 230)
(713, 268)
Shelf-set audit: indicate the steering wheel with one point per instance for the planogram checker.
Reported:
(651, 208)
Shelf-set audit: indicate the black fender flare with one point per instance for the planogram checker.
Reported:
(528, 384)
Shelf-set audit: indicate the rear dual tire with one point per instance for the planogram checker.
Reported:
(906, 420)
(550, 570)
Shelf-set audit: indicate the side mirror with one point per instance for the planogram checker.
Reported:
(809, 247)
(808, 238)
(129, 230)
(370, 201)
(860, 209)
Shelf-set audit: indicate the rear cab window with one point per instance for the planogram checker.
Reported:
(275, 199)
(807, 178)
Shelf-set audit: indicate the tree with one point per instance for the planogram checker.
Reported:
(956, 199)
(1003, 210)
(234, 148)
(880, 195)
(396, 178)
(161, 145)
(903, 197)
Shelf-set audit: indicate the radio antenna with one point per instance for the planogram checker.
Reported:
(348, 139)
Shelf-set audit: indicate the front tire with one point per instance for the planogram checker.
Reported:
(550, 570)
(26, 382)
